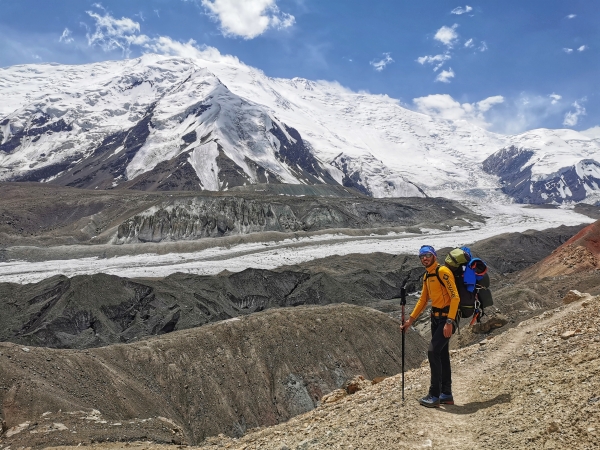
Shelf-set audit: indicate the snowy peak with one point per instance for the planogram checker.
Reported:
(132, 125)
(212, 123)
(535, 176)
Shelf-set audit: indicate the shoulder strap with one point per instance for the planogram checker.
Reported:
(437, 275)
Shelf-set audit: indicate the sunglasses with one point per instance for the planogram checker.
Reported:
(426, 255)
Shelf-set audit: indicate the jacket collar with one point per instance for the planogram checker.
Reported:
(431, 269)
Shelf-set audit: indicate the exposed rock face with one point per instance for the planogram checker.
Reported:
(359, 171)
(39, 215)
(199, 217)
(224, 378)
(514, 167)
(580, 254)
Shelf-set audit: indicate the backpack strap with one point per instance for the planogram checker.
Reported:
(436, 274)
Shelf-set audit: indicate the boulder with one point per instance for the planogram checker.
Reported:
(573, 296)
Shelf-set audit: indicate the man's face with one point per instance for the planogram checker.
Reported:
(427, 259)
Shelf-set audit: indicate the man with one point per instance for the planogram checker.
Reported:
(440, 287)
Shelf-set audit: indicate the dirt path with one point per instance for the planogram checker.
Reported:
(534, 386)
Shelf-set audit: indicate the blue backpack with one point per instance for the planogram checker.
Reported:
(472, 283)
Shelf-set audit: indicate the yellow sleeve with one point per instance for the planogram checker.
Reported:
(448, 277)
(422, 303)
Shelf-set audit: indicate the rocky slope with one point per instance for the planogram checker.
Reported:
(578, 255)
(92, 311)
(223, 378)
(41, 216)
(533, 386)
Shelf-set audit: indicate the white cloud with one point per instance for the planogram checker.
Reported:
(437, 60)
(483, 47)
(66, 36)
(568, 50)
(572, 117)
(380, 65)
(445, 107)
(445, 76)
(247, 18)
(571, 16)
(447, 35)
(555, 98)
(469, 43)
(112, 34)
(486, 104)
(460, 10)
(582, 48)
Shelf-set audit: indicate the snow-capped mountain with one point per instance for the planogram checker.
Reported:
(160, 122)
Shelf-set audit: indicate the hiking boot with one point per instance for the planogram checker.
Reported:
(430, 401)
(446, 399)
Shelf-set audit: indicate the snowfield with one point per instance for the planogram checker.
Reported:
(268, 255)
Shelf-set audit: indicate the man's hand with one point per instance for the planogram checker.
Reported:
(407, 324)
(448, 330)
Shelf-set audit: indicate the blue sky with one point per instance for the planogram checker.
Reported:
(515, 65)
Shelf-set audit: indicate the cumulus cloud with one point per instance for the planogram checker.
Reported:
(582, 48)
(247, 18)
(445, 76)
(380, 65)
(437, 60)
(571, 16)
(445, 107)
(115, 34)
(469, 43)
(505, 115)
(568, 50)
(555, 98)
(66, 37)
(572, 117)
(460, 10)
(447, 35)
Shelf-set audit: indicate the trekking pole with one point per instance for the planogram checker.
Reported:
(403, 303)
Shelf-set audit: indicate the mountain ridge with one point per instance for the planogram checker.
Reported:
(214, 112)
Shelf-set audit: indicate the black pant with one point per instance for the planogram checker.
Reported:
(439, 359)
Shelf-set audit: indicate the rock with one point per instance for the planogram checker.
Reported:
(378, 380)
(568, 334)
(484, 342)
(356, 384)
(573, 296)
(489, 324)
(334, 396)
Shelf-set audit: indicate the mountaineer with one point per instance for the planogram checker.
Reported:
(439, 287)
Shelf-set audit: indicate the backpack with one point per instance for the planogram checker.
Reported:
(472, 283)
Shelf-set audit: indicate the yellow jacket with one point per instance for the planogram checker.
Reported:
(440, 295)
